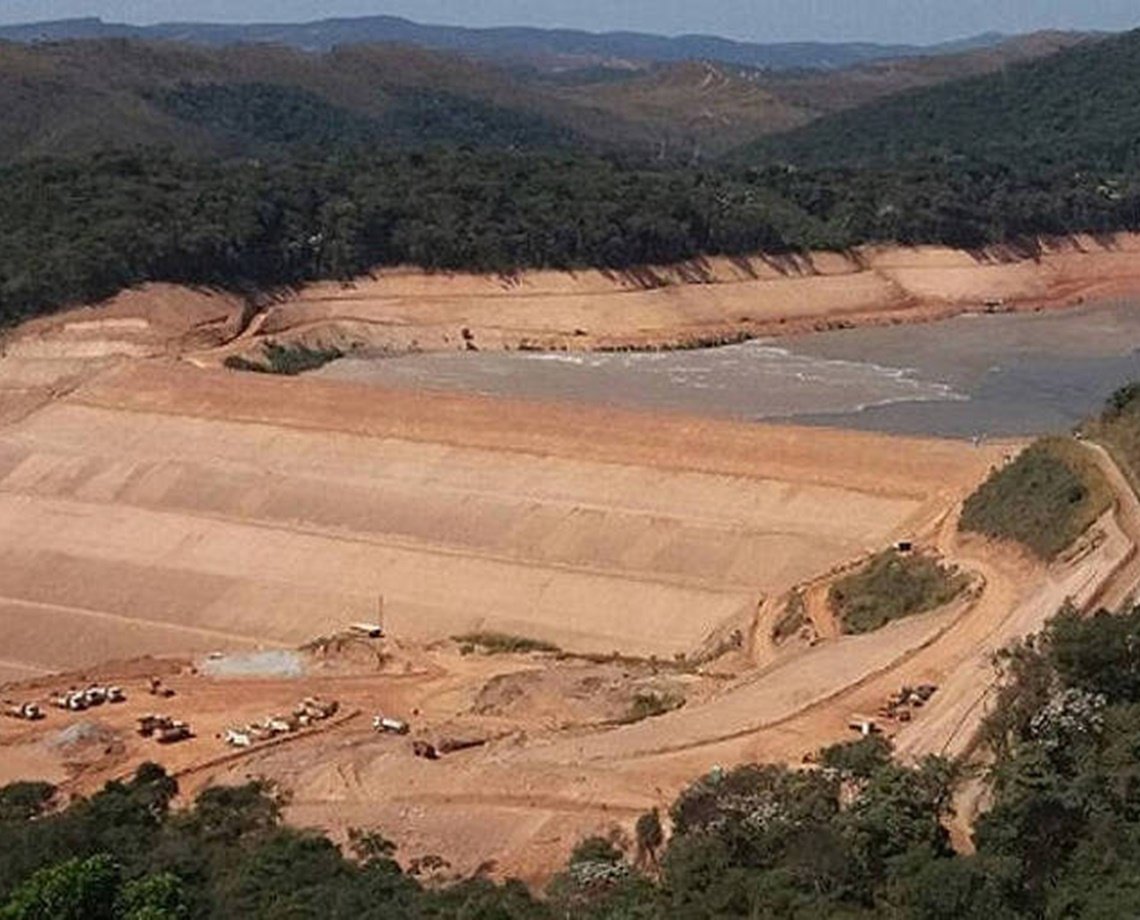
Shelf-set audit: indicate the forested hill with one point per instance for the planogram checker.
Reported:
(515, 43)
(103, 93)
(86, 96)
(1079, 109)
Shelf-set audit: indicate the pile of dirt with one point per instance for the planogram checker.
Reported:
(154, 319)
(576, 694)
(81, 736)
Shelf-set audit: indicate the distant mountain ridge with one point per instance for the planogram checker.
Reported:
(96, 93)
(1075, 111)
(520, 43)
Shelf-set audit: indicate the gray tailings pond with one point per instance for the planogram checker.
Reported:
(1012, 374)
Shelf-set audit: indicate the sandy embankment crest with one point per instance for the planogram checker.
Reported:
(713, 301)
(710, 301)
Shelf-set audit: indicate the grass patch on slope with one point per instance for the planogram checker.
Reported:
(1118, 429)
(1044, 499)
(891, 586)
(793, 618)
(493, 643)
(286, 360)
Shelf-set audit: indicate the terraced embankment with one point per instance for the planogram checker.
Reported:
(165, 508)
(709, 301)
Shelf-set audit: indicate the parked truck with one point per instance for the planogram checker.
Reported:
(390, 726)
(173, 733)
(28, 712)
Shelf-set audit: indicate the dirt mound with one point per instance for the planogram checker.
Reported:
(154, 319)
(576, 694)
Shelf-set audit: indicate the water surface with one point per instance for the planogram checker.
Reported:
(1012, 374)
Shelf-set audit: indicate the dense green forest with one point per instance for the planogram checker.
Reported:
(267, 115)
(79, 229)
(856, 835)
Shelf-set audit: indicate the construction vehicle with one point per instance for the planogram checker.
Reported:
(73, 701)
(389, 725)
(173, 733)
(864, 725)
(926, 691)
(317, 709)
(151, 723)
(278, 726)
(425, 749)
(158, 689)
(238, 738)
(28, 712)
(901, 705)
(370, 630)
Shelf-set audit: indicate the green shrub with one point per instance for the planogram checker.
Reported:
(287, 360)
(1044, 499)
(493, 643)
(891, 586)
(652, 704)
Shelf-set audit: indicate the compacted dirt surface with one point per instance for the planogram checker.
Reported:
(165, 518)
(709, 301)
(160, 507)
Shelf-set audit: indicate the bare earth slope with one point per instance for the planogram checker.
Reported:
(164, 508)
(712, 301)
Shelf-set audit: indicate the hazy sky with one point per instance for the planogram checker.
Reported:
(756, 20)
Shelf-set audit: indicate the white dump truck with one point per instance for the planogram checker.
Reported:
(864, 725)
(390, 726)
